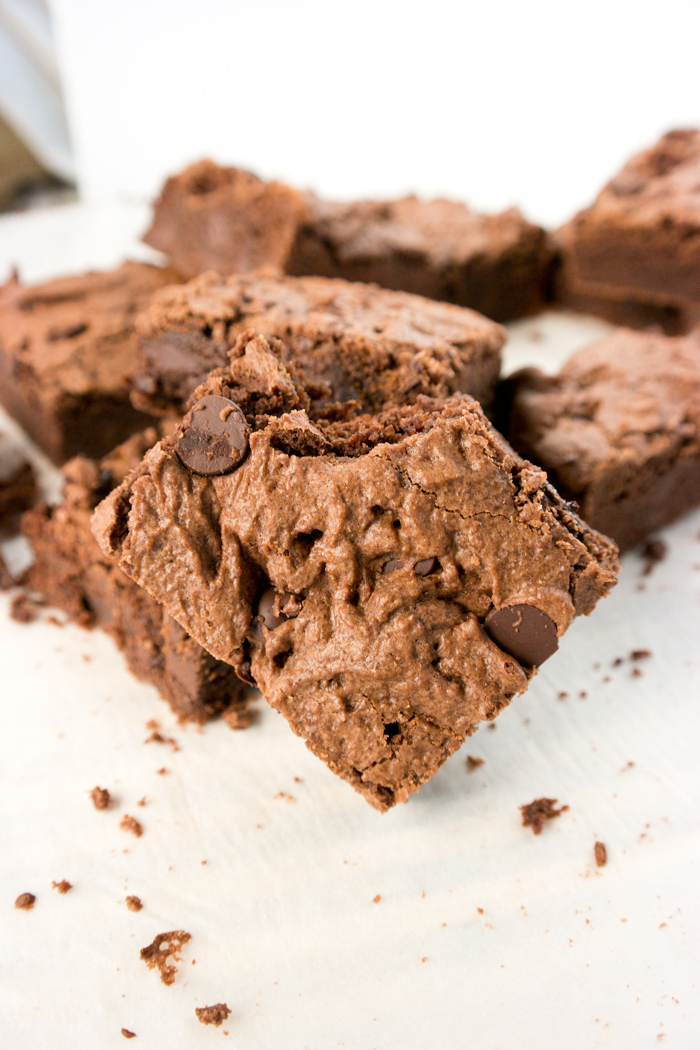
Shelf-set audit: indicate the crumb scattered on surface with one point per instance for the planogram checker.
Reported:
(424, 959)
(215, 1015)
(376, 900)
(101, 798)
(635, 673)
(134, 903)
(161, 772)
(158, 738)
(25, 901)
(238, 717)
(473, 763)
(23, 608)
(480, 911)
(141, 801)
(583, 694)
(63, 886)
(164, 946)
(284, 795)
(151, 724)
(640, 654)
(131, 824)
(127, 1034)
(562, 695)
(537, 812)
(654, 552)
(492, 725)
(601, 854)
(54, 621)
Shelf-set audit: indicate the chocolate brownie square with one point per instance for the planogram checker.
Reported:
(641, 237)
(389, 580)
(225, 219)
(74, 575)
(617, 430)
(18, 489)
(66, 355)
(350, 340)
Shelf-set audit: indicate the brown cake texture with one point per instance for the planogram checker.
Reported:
(617, 430)
(639, 242)
(228, 220)
(18, 489)
(375, 575)
(66, 356)
(74, 575)
(350, 340)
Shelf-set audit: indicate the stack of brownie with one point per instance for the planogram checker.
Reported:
(310, 494)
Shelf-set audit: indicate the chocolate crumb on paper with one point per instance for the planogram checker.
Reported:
(376, 900)
(127, 1034)
(101, 798)
(131, 824)
(63, 886)
(134, 903)
(164, 946)
(601, 854)
(654, 552)
(215, 1015)
(473, 763)
(537, 812)
(25, 901)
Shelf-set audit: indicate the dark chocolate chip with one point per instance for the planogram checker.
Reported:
(426, 567)
(213, 437)
(523, 631)
(266, 611)
(390, 566)
(244, 673)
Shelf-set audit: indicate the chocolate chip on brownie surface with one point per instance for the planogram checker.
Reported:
(354, 566)
(350, 340)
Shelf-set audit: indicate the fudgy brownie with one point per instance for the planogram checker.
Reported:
(617, 430)
(351, 341)
(66, 354)
(18, 489)
(641, 237)
(71, 571)
(225, 219)
(388, 580)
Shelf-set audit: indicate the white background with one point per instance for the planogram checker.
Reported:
(535, 103)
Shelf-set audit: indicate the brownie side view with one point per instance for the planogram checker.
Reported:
(210, 217)
(617, 430)
(360, 569)
(228, 220)
(18, 489)
(66, 355)
(351, 341)
(495, 264)
(73, 574)
(642, 234)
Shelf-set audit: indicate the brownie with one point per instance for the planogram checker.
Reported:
(617, 430)
(66, 354)
(225, 219)
(71, 571)
(388, 580)
(351, 341)
(641, 236)
(18, 489)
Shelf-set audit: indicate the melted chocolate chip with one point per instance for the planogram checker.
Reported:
(244, 673)
(426, 567)
(523, 631)
(213, 438)
(266, 611)
(390, 566)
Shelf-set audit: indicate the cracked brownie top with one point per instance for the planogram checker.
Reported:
(388, 580)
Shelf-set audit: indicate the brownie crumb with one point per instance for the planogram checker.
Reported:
(215, 1015)
(141, 801)
(562, 695)
(25, 901)
(640, 654)
(238, 717)
(127, 1034)
(131, 824)
(101, 798)
(654, 552)
(473, 763)
(535, 813)
(161, 772)
(601, 854)
(63, 886)
(151, 724)
(23, 608)
(158, 738)
(156, 954)
(376, 900)
(636, 673)
(134, 903)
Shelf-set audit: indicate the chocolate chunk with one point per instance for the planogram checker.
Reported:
(426, 567)
(390, 566)
(524, 631)
(213, 438)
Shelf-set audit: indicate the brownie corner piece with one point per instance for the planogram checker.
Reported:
(389, 580)
(617, 430)
(67, 354)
